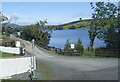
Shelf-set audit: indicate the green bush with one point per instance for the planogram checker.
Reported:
(88, 53)
(72, 27)
(67, 46)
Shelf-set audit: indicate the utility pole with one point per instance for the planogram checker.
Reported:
(33, 41)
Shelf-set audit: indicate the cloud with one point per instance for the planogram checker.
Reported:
(24, 23)
(81, 15)
(13, 18)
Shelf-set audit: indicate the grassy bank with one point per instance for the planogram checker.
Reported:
(10, 79)
(4, 54)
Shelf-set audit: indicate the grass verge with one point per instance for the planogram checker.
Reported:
(3, 36)
(4, 54)
(43, 70)
(10, 79)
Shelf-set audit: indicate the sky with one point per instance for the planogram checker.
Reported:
(25, 13)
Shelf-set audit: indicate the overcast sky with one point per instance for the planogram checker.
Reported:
(24, 13)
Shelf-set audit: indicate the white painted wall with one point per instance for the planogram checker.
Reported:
(18, 44)
(10, 49)
(11, 66)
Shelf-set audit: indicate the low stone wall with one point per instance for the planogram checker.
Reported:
(12, 66)
(10, 50)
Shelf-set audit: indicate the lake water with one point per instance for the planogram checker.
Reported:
(59, 37)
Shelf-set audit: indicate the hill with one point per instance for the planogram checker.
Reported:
(73, 25)
(11, 25)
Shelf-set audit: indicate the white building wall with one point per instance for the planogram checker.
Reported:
(10, 50)
(11, 66)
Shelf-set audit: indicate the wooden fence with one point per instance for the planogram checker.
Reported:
(97, 52)
(107, 52)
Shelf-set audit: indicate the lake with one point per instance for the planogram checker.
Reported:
(59, 37)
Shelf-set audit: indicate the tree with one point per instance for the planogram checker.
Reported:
(33, 32)
(67, 46)
(42, 23)
(118, 26)
(45, 34)
(103, 19)
(3, 30)
(2, 17)
(79, 47)
(93, 32)
(80, 19)
(110, 28)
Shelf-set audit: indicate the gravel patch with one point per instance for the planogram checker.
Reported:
(25, 76)
(22, 76)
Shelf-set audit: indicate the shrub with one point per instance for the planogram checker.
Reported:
(79, 47)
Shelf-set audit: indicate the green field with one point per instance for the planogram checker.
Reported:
(83, 24)
(3, 54)
(77, 25)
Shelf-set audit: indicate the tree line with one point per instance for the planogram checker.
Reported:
(38, 32)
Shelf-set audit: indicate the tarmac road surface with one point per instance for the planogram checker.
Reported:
(73, 68)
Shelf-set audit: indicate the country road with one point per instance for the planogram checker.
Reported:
(73, 68)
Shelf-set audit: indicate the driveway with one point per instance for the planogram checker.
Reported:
(73, 68)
